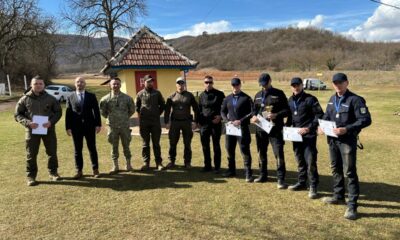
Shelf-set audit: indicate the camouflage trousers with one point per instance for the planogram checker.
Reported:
(114, 135)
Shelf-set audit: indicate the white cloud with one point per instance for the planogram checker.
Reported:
(199, 28)
(383, 25)
(316, 22)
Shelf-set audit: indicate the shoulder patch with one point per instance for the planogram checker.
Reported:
(363, 110)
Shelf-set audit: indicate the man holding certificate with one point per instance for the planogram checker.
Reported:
(305, 112)
(271, 103)
(39, 112)
(350, 113)
(236, 110)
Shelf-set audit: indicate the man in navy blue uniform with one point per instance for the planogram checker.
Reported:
(350, 113)
(305, 112)
(210, 102)
(237, 108)
(271, 103)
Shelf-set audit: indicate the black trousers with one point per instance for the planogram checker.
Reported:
(213, 131)
(174, 135)
(305, 154)
(244, 144)
(32, 144)
(89, 133)
(150, 130)
(343, 155)
(276, 138)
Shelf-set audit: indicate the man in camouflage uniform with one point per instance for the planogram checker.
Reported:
(150, 105)
(37, 102)
(117, 108)
(181, 119)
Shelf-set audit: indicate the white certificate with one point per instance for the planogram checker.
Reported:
(40, 120)
(327, 127)
(292, 134)
(233, 130)
(264, 124)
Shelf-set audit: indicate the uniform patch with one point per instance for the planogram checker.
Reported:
(363, 110)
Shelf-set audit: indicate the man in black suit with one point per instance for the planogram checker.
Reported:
(82, 119)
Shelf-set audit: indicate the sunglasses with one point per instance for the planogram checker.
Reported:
(180, 83)
(208, 82)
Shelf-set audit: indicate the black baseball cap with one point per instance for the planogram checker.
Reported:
(296, 81)
(264, 79)
(339, 77)
(235, 81)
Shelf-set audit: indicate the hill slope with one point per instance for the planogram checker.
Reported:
(276, 50)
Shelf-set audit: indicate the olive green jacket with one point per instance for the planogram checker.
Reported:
(43, 104)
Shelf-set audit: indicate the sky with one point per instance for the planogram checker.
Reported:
(362, 20)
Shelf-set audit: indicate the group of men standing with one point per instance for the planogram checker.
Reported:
(182, 113)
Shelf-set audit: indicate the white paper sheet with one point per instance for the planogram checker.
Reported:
(292, 134)
(327, 127)
(233, 130)
(40, 120)
(264, 124)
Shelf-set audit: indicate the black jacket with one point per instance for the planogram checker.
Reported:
(240, 109)
(353, 114)
(89, 116)
(305, 112)
(275, 98)
(210, 105)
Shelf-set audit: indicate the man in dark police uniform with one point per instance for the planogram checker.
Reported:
(350, 113)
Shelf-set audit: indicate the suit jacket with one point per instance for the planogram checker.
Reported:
(87, 117)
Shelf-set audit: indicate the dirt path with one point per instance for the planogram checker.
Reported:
(4, 106)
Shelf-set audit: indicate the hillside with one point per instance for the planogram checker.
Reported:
(275, 50)
(78, 54)
(287, 49)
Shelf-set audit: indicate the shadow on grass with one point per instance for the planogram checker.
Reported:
(387, 195)
(179, 177)
(138, 181)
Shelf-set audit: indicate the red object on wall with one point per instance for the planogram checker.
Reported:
(139, 75)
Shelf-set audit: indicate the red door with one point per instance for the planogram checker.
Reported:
(139, 75)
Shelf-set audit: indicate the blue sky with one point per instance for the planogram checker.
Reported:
(360, 19)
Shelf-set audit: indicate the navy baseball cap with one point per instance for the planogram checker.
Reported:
(339, 77)
(296, 81)
(235, 81)
(264, 79)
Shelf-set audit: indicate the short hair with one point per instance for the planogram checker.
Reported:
(115, 78)
(209, 77)
(80, 77)
(37, 77)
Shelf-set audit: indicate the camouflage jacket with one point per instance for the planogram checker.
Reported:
(117, 109)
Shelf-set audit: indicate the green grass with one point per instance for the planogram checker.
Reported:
(182, 204)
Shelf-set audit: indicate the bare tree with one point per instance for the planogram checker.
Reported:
(104, 17)
(331, 63)
(20, 24)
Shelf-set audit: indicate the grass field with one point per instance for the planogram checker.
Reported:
(187, 204)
